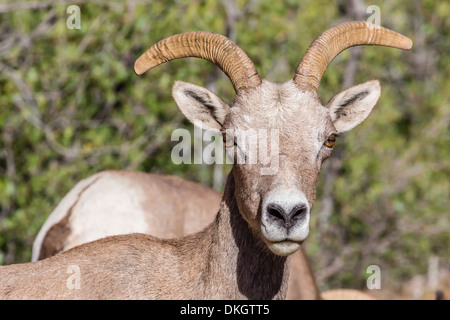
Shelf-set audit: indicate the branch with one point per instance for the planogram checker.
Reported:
(25, 40)
(29, 110)
(8, 137)
(42, 5)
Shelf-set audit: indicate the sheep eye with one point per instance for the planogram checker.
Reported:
(330, 141)
(228, 140)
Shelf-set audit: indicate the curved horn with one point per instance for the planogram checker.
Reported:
(335, 40)
(206, 45)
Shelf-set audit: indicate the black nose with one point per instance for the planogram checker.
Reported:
(288, 219)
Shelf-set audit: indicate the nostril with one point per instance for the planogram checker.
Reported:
(298, 212)
(276, 211)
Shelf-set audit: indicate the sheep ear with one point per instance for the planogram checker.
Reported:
(202, 107)
(352, 106)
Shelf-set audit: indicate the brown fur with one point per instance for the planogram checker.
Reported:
(302, 284)
(346, 294)
(56, 238)
(161, 199)
(189, 205)
(140, 266)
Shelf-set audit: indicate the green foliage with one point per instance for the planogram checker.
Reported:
(72, 106)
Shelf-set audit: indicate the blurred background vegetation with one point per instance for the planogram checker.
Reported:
(70, 106)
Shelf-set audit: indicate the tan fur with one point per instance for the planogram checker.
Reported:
(187, 205)
(345, 294)
(139, 266)
(160, 205)
(302, 283)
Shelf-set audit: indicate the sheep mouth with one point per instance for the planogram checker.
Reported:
(284, 247)
(287, 240)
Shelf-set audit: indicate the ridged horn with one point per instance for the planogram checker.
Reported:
(213, 47)
(335, 40)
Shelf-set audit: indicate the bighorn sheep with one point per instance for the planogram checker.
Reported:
(262, 219)
(121, 202)
(159, 205)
